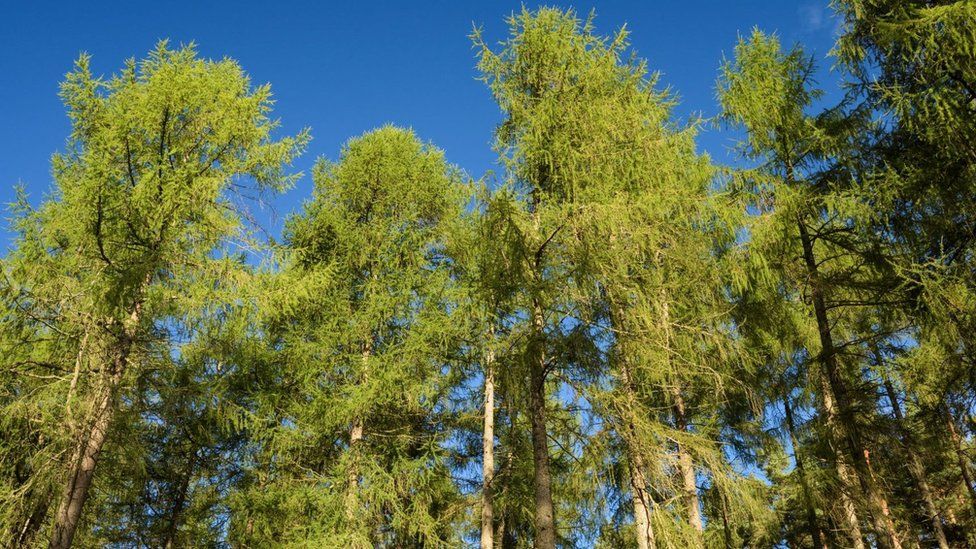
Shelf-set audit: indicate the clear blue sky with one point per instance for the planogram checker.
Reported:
(344, 69)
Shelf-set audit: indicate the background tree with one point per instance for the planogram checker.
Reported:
(361, 337)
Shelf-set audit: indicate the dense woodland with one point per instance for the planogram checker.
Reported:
(612, 342)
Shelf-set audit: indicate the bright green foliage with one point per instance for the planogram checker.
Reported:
(620, 344)
(120, 253)
(360, 329)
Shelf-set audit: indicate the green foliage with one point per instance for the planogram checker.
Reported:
(677, 354)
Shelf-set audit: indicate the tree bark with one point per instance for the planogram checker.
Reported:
(488, 451)
(686, 465)
(815, 533)
(85, 458)
(181, 494)
(961, 458)
(915, 466)
(845, 429)
(844, 474)
(641, 496)
(545, 524)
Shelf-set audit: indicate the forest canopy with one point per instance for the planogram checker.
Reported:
(613, 341)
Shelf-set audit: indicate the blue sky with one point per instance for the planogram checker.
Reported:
(344, 69)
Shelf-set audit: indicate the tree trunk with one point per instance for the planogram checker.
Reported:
(85, 458)
(545, 522)
(488, 451)
(844, 474)
(846, 429)
(355, 439)
(915, 466)
(180, 496)
(686, 466)
(641, 498)
(815, 534)
(545, 527)
(640, 495)
(963, 461)
(83, 468)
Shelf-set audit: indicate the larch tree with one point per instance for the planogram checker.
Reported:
(360, 339)
(141, 206)
(807, 237)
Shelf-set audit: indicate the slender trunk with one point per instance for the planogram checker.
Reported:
(641, 496)
(488, 451)
(85, 458)
(181, 496)
(25, 536)
(83, 464)
(846, 429)
(502, 535)
(915, 466)
(726, 528)
(355, 439)
(545, 527)
(686, 466)
(545, 522)
(815, 533)
(963, 461)
(844, 474)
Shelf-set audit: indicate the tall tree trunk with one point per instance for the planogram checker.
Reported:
(488, 450)
(641, 495)
(545, 522)
(915, 466)
(81, 470)
(686, 465)
(846, 429)
(355, 439)
(545, 526)
(961, 458)
(847, 483)
(811, 511)
(180, 496)
(502, 535)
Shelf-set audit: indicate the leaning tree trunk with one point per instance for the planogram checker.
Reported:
(915, 466)
(82, 467)
(845, 429)
(815, 534)
(488, 451)
(961, 458)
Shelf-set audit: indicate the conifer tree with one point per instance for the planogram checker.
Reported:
(767, 91)
(360, 337)
(141, 202)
